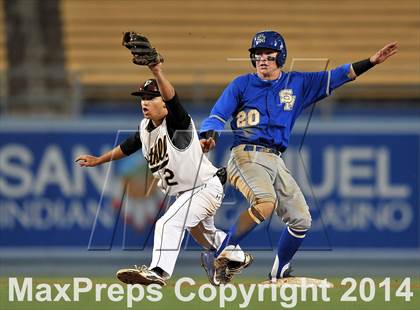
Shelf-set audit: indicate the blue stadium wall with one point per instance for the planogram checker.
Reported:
(360, 177)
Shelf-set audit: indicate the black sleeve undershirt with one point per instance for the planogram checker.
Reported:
(178, 123)
(362, 66)
(209, 134)
(177, 117)
(132, 144)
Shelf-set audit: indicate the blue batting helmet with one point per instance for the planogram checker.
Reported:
(269, 40)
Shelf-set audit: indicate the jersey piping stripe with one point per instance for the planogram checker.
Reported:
(217, 117)
(328, 83)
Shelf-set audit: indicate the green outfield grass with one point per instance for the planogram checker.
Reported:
(170, 301)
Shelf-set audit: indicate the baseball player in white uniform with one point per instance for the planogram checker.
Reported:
(170, 144)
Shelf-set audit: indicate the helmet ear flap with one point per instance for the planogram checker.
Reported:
(252, 57)
(278, 60)
(281, 58)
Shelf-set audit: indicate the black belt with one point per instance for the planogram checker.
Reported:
(221, 173)
(259, 148)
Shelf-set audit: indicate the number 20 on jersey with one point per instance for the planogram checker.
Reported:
(248, 118)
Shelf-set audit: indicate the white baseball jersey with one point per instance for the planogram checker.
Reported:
(177, 169)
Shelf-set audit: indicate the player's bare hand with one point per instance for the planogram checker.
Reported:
(385, 52)
(207, 144)
(88, 161)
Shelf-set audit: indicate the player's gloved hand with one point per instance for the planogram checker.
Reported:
(207, 144)
(88, 161)
(385, 52)
(144, 54)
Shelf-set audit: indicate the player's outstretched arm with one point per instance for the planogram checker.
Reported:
(92, 161)
(165, 87)
(379, 57)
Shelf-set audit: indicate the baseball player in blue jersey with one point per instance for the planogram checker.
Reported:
(264, 107)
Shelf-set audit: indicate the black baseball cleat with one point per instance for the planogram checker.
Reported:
(142, 275)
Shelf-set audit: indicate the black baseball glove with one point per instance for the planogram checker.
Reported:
(144, 54)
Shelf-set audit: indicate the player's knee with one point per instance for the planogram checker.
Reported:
(263, 198)
(165, 225)
(261, 211)
(303, 223)
(306, 223)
